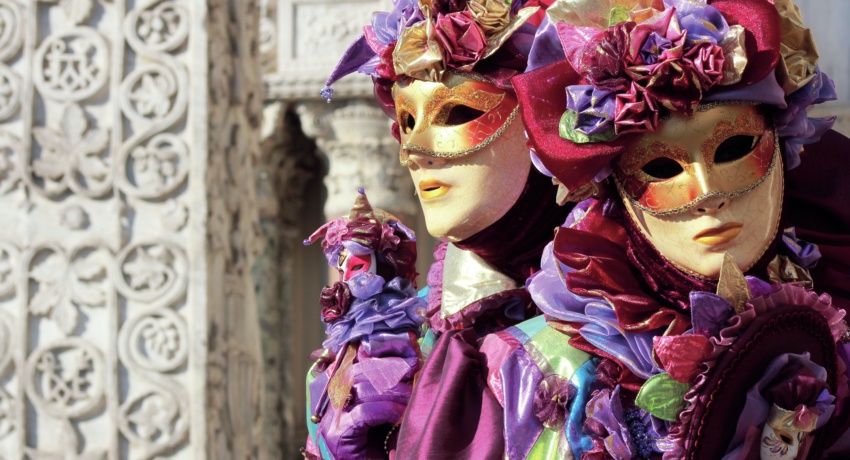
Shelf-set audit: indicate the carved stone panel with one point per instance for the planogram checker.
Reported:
(108, 256)
(309, 37)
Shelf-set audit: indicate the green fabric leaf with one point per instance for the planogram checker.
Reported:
(662, 396)
(566, 129)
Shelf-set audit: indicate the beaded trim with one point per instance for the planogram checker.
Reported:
(710, 105)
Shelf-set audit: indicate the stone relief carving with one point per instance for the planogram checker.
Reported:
(100, 266)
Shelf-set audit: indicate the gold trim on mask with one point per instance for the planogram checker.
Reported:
(696, 201)
(423, 110)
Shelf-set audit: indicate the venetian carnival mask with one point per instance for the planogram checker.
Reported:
(465, 151)
(705, 185)
(783, 432)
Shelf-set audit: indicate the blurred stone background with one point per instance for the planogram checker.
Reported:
(161, 162)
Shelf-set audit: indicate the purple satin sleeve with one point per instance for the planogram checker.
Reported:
(452, 413)
(382, 382)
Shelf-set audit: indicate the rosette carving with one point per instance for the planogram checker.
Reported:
(156, 168)
(161, 26)
(152, 271)
(155, 420)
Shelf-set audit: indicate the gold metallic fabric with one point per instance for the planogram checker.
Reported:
(417, 53)
(798, 49)
(468, 278)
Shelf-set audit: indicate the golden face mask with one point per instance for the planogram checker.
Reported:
(665, 174)
(452, 118)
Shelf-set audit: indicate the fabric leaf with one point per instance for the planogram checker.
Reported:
(662, 396)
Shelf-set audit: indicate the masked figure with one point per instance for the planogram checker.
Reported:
(442, 71)
(705, 269)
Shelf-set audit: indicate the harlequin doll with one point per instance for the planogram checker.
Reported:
(442, 70)
(362, 380)
(701, 273)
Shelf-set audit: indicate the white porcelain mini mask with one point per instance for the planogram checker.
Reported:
(704, 185)
(782, 434)
(462, 195)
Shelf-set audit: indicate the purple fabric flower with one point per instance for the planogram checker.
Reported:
(387, 26)
(794, 125)
(396, 308)
(365, 285)
(335, 301)
(552, 400)
(702, 21)
(595, 108)
(802, 253)
(653, 46)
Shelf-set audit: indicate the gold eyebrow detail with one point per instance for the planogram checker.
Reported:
(640, 156)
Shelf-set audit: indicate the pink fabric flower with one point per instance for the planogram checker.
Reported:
(461, 38)
(707, 62)
(552, 399)
(336, 232)
(635, 111)
(681, 355)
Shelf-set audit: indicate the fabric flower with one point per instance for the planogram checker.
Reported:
(385, 67)
(635, 111)
(418, 54)
(491, 15)
(335, 301)
(707, 62)
(387, 26)
(461, 38)
(603, 57)
(594, 108)
(703, 22)
(337, 230)
(389, 240)
(552, 399)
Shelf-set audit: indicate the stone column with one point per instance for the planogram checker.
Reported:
(128, 323)
(354, 138)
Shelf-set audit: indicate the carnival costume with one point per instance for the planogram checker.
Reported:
(672, 117)
(442, 70)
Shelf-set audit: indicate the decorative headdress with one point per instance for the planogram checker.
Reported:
(369, 231)
(425, 38)
(615, 67)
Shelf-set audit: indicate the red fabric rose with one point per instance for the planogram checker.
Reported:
(603, 58)
(635, 111)
(461, 38)
(335, 301)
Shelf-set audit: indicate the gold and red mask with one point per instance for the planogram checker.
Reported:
(455, 117)
(664, 178)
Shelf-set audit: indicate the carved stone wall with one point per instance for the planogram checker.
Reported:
(128, 228)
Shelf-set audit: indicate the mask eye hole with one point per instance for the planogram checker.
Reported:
(735, 148)
(662, 168)
(456, 114)
(406, 121)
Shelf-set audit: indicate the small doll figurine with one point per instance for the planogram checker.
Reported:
(712, 302)
(364, 374)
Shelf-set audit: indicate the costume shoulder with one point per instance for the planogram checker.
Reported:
(543, 384)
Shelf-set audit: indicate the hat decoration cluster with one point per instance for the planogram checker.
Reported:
(423, 38)
(639, 59)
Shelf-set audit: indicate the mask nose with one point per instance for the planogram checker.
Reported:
(710, 206)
